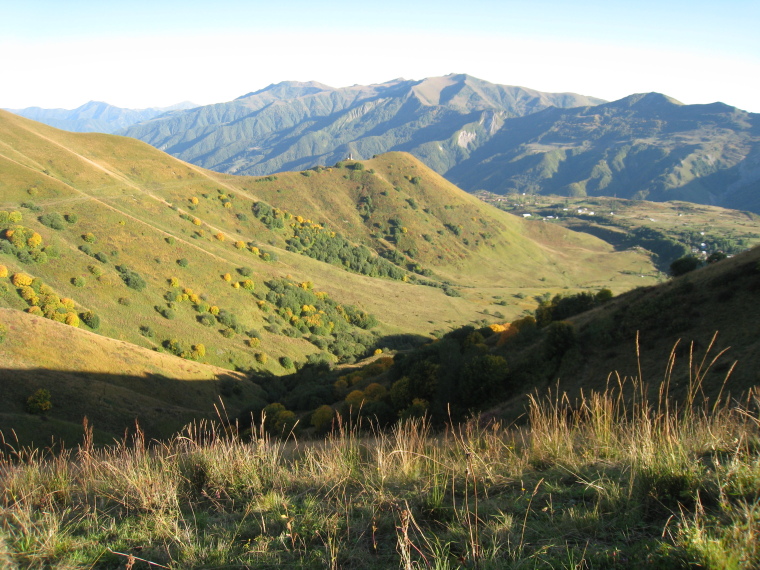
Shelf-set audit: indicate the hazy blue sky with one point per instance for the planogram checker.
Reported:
(156, 53)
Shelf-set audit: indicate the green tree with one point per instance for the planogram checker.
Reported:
(684, 265)
(39, 402)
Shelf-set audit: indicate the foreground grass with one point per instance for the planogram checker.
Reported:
(598, 483)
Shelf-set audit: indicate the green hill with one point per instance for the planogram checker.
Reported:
(692, 339)
(256, 274)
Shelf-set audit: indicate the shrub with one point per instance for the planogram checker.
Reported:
(131, 279)
(3, 332)
(684, 265)
(261, 357)
(286, 362)
(245, 271)
(124, 302)
(71, 218)
(21, 279)
(206, 320)
(53, 220)
(86, 249)
(78, 281)
(146, 331)
(322, 417)
(167, 313)
(89, 237)
(34, 240)
(71, 319)
(91, 320)
(170, 240)
(182, 262)
(3, 271)
(39, 402)
(101, 257)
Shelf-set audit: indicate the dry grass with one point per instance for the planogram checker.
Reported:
(603, 482)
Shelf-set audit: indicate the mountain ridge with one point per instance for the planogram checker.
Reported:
(97, 116)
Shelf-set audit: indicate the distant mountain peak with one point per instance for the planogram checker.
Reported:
(288, 89)
(651, 99)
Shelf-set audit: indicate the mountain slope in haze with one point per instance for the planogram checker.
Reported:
(645, 146)
(291, 125)
(96, 116)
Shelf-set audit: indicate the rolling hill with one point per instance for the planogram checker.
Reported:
(110, 235)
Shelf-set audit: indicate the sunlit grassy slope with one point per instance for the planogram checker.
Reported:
(189, 231)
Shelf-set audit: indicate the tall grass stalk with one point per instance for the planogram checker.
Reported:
(605, 479)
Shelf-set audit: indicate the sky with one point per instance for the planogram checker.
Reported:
(139, 53)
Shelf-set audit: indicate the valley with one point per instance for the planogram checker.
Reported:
(361, 364)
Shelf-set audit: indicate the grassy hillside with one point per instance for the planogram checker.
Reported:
(110, 381)
(109, 235)
(588, 486)
(692, 338)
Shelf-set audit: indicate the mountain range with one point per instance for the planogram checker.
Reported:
(292, 125)
(479, 135)
(96, 116)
